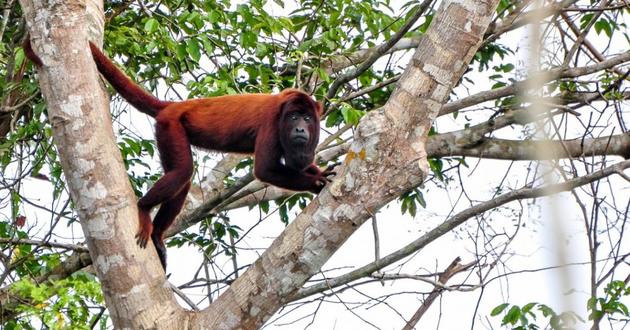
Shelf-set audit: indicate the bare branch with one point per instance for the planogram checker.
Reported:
(457, 220)
(382, 49)
(549, 75)
(454, 268)
(72, 247)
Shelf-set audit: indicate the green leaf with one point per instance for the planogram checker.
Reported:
(498, 85)
(527, 308)
(248, 39)
(512, 316)
(180, 52)
(16, 200)
(427, 21)
(499, 309)
(403, 206)
(436, 166)
(350, 115)
(19, 58)
(192, 47)
(333, 118)
(261, 50)
(283, 211)
(546, 310)
(420, 199)
(412, 208)
(264, 206)
(151, 25)
(219, 230)
(606, 26)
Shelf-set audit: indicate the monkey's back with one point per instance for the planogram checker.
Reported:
(224, 123)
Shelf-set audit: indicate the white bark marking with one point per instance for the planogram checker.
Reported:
(104, 263)
(418, 145)
(469, 5)
(84, 165)
(443, 77)
(370, 130)
(419, 83)
(345, 212)
(310, 256)
(72, 107)
(254, 311)
(77, 124)
(99, 228)
(81, 149)
(96, 192)
(230, 321)
(468, 26)
(323, 214)
(140, 288)
(440, 92)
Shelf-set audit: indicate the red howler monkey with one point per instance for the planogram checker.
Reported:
(281, 130)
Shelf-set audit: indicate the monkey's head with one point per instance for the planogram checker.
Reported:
(299, 128)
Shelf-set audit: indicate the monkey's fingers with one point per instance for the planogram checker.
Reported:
(142, 239)
(329, 173)
(322, 181)
(331, 167)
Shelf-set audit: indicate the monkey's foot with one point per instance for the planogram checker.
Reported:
(142, 238)
(160, 249)
(145, 227)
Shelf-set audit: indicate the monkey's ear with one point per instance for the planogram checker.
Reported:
(320, 108)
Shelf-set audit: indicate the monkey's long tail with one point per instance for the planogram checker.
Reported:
(130, 91)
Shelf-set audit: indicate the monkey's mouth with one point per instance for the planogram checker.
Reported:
(299, 139)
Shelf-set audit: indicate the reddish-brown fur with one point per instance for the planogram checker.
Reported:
(28, 51)
(282, 131)
(249, 123)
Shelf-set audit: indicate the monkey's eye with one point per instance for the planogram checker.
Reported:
(294, 117)
(307, 118)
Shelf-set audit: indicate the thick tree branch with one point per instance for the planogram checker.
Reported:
(448, 145)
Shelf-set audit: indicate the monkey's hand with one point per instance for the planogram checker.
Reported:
(320, 178)
(145, 228)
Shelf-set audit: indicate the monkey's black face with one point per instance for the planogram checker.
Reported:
(298, 125)
(299, 132)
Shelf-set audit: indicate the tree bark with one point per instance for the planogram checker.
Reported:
(134, 285)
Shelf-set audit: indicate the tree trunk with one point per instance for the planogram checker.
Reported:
(134, 285)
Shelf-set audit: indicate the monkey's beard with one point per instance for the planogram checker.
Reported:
(298, 160)
(297, 154)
